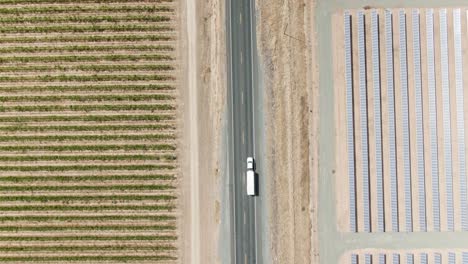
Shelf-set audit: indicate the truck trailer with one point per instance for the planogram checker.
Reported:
(251, 181)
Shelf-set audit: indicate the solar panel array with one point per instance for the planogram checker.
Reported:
(410, 257)
(404, 120)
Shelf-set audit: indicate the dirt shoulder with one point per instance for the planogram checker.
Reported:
(203, 95)
(211, 100)
(284, 39)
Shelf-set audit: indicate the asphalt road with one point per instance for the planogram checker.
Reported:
(240, 18)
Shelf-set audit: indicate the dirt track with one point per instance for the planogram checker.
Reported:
(203, 96)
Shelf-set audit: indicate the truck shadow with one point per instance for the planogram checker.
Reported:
(257, 184)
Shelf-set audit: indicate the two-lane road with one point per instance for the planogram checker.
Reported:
(241, 45)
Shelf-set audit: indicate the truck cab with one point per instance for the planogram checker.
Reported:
(251, 181)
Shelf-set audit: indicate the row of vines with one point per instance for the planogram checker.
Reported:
(88, 153)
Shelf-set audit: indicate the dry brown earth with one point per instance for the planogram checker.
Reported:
(285, 39)
(207, 81)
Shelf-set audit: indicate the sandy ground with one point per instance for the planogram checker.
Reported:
(203, 99)
(285, 57)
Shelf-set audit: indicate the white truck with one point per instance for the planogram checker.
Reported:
(251, 181)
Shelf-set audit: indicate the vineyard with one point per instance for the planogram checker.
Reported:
(88, 153)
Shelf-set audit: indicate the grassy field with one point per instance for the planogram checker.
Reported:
(88, 157)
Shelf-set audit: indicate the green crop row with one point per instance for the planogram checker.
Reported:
(85, 28)
(70, 198)
(92, 208)
(85, 108)
(24, 128)
(91, 88)
(94, 118)
(87, 248)
(89, 167)
(86, 137)
(160, 157)
(82, 58)
(87, 97)
(85, 78)
(71, 178)
(99, 68)
(69, 218)
(123, 258)
(104, 118)
(86, 8)
(83, 19)
(82, 48)
(85, 38)
(90, 238)
(15, 188)
(86, 228)
(13, 2)
(93, 68)
(88, 147)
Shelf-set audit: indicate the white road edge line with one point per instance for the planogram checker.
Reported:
(234, 237)
(252, 44)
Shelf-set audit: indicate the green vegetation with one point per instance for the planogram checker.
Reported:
(80, 8)
(85, 58)
(84, 19)
(87, 137)
(88, 238)
(86, 108)
(85, 38)
(48, 218)
(88, 248)
(12, 2)
(82, 29)
(91, 78)
(92, 208)
(85, 98)
(88, 88)
(88, 68)
(71, 198)
(86, 168)
(62, 178)
(86, 48)
(86, 128)
(89, 258)
(88, 122)
(87, 228)
(88, 118)
(161, 157)
(127, 187)
(61, 148)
